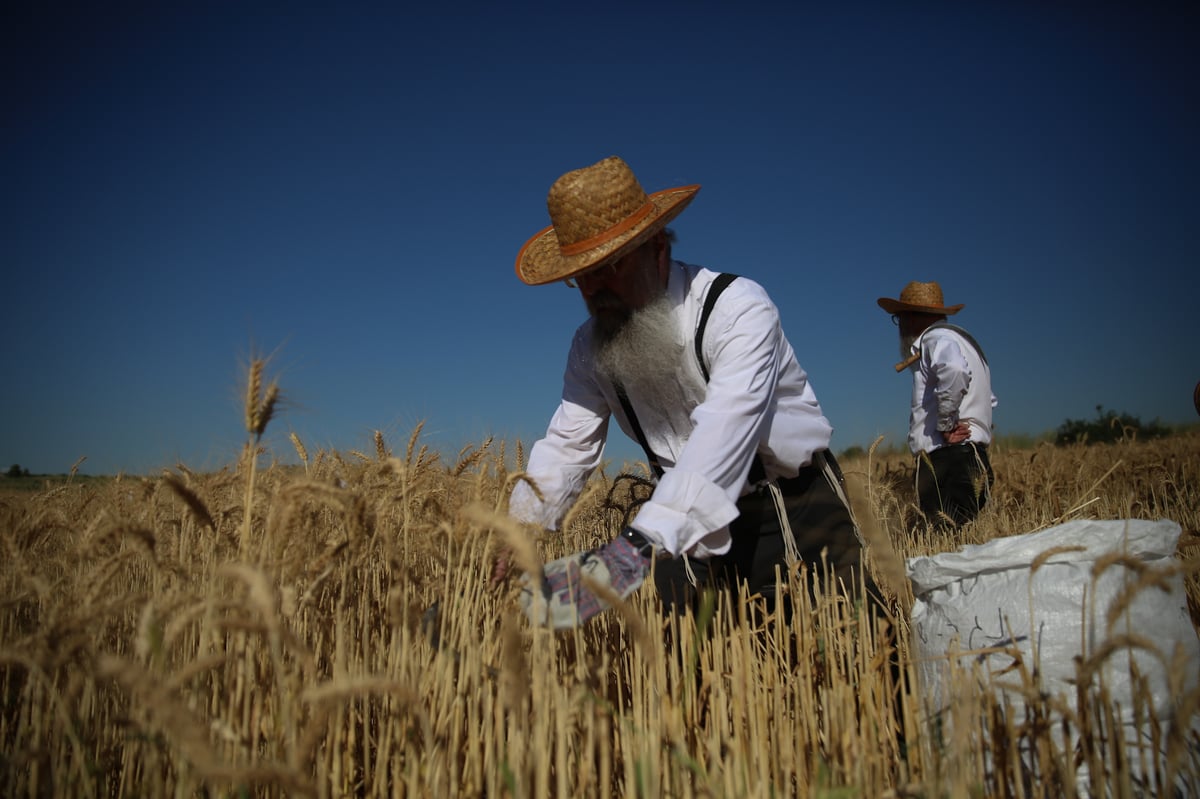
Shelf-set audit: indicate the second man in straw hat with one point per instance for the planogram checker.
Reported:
(950, 422)
(710, 389)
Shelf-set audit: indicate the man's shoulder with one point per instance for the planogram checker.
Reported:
(949, 326)
(700, 280)
(694, 275)
(943, 330)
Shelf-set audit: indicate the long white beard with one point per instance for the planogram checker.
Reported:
(645, 355)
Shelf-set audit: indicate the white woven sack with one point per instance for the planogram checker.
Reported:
(985, 602)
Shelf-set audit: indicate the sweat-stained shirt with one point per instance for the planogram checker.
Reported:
(951, 383)
(757, 401)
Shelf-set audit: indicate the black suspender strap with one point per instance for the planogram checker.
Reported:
(757, 472)
(718, 285)
(970, 339)
(627, 406)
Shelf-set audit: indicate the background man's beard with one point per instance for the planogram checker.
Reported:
(644, 355)
(906, 343)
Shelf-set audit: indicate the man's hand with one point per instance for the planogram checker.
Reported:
(960, 433)
(564, 600)
(501, 566)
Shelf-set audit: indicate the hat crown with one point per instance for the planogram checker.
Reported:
(597, 214)
(918, 293)
(591, 201)
(918, 297)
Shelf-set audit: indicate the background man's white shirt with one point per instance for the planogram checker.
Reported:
(951, 383)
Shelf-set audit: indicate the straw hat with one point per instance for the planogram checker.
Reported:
(597, 214)
(919, 298)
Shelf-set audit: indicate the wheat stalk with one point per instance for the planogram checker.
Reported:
(518, 541)
(191, 501)
(253, 393)
(301, 451)
(412, 442)
(75, 467)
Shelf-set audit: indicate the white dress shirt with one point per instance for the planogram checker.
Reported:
(757, 400)
(951, 383)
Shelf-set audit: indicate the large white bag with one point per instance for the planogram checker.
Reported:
(1044, 599)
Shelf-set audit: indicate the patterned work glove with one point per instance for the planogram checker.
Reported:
(564, 601)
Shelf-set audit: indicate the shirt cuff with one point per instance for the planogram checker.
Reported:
(687, 509)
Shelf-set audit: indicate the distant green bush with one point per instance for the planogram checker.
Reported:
(1108, 426)
(1014, 441)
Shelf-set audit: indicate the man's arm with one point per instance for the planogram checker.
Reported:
(746, 350)
(951, 377)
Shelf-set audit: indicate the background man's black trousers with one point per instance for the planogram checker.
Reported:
(954, 481)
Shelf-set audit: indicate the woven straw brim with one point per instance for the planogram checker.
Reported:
(895, 306)
(541, 260)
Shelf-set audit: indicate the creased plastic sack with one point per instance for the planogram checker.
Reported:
(1050, 601)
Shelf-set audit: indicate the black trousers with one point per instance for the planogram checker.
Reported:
(826, 538)
(954, 482)
(819, 519)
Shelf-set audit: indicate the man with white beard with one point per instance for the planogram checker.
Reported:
(950, 425)
(711, 390)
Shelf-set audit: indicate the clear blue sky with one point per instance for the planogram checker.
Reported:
(347, 187)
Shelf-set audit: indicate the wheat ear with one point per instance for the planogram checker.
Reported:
(300, 449)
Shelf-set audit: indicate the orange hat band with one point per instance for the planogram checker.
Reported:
(610, 234)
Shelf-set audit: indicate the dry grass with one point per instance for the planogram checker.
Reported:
(265, 632)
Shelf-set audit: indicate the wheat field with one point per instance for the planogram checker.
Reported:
(329, 629)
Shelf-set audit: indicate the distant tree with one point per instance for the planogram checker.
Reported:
(1108, 426)
(853, 451)
(16, 471)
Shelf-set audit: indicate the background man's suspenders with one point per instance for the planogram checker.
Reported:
(970, 339)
